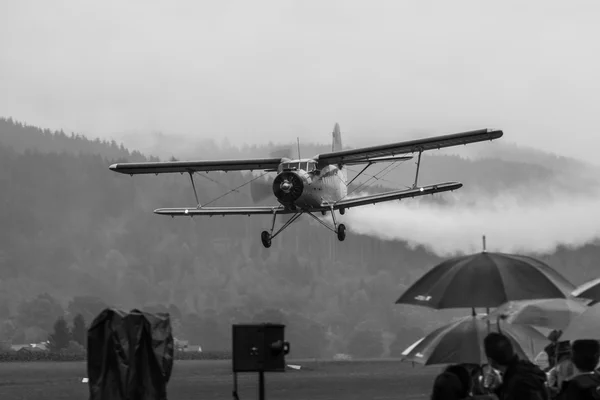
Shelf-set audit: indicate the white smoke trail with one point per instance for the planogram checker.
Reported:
(511, 222)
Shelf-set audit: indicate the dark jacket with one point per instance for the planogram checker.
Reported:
(581, 387)
(523, 380)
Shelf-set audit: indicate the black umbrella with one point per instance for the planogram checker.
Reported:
(486, 280)
(589, 290)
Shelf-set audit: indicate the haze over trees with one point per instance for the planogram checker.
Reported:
(76, 237)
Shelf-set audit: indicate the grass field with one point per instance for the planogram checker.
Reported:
(193, 380)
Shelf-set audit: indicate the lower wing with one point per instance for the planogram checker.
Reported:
(397, 195)
(210, 211)
(347, 203)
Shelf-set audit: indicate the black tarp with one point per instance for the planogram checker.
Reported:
(129, 355)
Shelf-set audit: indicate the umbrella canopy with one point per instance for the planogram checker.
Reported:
(589, 290)
(584, 326)
(486, 280)
(545, 313)
(462, 342)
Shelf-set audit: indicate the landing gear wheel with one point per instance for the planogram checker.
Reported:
(341, 232)
(265, 237)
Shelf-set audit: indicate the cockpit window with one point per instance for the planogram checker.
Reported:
(307, 166)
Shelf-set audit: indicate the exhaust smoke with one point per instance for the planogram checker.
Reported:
(511, 222)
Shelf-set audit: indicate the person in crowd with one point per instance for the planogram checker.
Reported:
(585, 383)
(560, 374)
(477, 377)
(556, 349)
(521, 379)
(449, 386)
(454, 383)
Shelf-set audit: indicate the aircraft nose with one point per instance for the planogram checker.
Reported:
(286, 186)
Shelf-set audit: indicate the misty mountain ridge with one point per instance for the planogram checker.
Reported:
(156, 145)
(21, 137)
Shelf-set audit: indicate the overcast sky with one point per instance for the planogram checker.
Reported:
(385, 70)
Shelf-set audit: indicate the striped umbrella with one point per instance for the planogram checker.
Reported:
(462, 342)
(584, 326)
(543, 313)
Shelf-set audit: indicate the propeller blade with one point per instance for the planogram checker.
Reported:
(261, 190)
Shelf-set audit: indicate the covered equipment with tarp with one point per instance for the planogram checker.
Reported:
(129, 355)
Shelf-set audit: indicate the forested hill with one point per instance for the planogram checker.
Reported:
(72, 228)
(21, 137)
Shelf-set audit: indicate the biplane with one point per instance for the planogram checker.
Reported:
(312, 185)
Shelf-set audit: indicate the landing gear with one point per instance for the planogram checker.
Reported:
(338, 229)
(265, 237)
(341, 232)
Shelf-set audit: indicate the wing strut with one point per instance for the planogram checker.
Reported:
(418, 166)
(361, 171)
(194, 186)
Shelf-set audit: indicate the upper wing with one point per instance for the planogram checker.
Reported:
(210, 211)
(411, 146)
(397, 195)
(165, 167)
(377, 159)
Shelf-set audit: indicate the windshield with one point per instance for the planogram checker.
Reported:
(307, 166)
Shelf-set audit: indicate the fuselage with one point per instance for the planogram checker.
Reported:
(305, 184)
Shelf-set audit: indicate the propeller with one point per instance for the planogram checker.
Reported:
(288, 187)
(261, 189)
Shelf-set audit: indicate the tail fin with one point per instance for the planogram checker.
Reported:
(336, 145)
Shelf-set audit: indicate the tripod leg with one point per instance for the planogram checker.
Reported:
(235, 387)
(261, 385)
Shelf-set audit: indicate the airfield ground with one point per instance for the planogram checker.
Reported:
(193, 380)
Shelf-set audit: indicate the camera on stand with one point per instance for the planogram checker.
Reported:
(258, 348)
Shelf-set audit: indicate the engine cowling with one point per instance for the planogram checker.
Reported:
(288, 186)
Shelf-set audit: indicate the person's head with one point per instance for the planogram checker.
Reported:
(585, 354)
(448, 386)
(499, 350)
(554, 335)
(462, 373)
